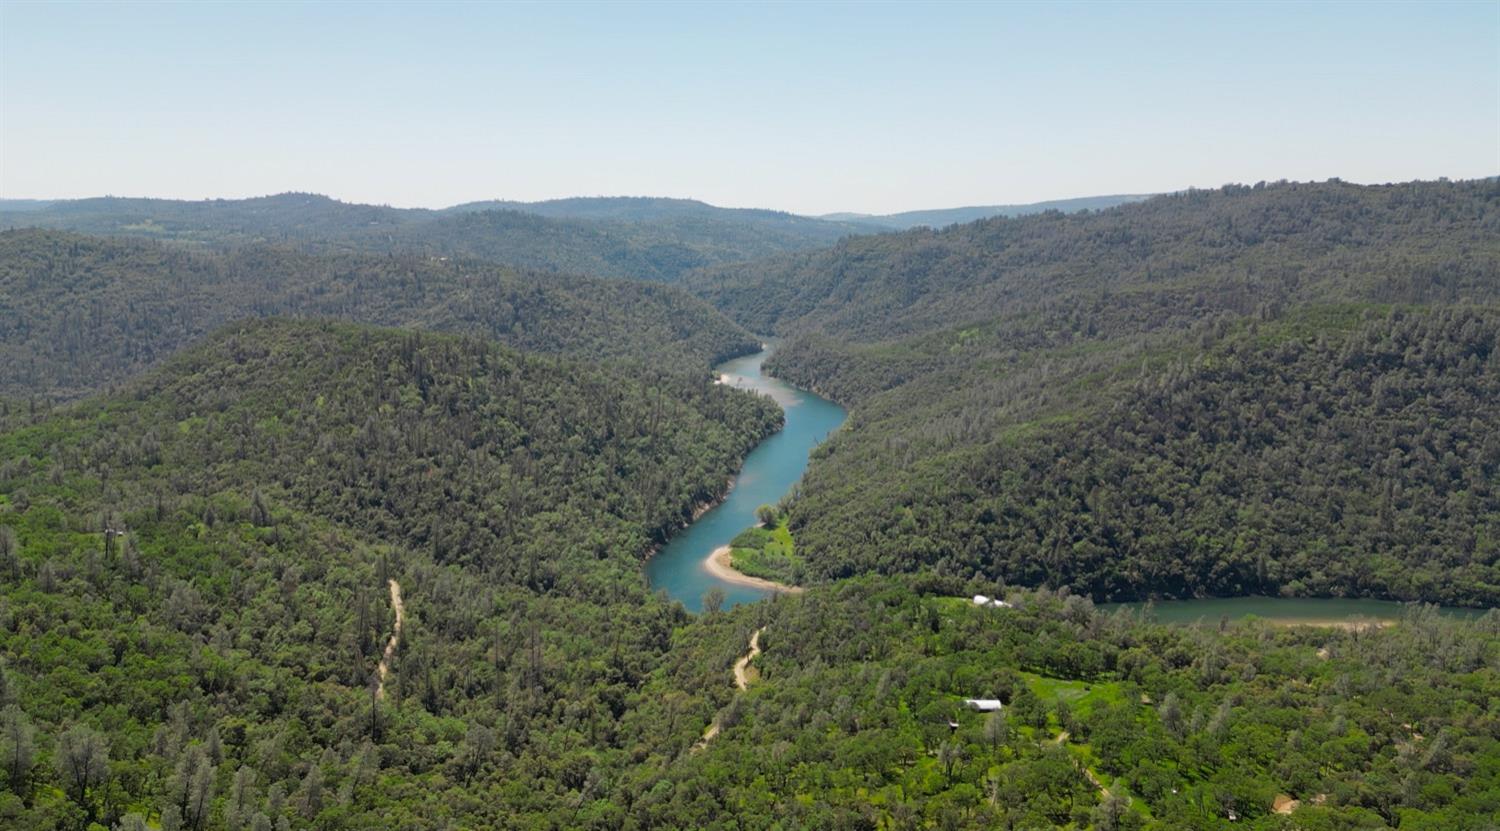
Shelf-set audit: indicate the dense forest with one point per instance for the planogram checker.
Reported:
(1126, 402)
(1360, 460)
(78, 313)
(1166, 261)
(264, 565)
(196, 574)
(643, 239)
(650, 209)
(196, 603)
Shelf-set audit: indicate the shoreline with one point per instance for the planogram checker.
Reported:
(1349, 625)
(704, 507)
(699, 510)
(719, 565)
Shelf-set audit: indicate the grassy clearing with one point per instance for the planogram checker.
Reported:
(768, 553)
(1082, 696)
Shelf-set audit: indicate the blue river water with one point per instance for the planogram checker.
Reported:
(775, 466)
(770, 472)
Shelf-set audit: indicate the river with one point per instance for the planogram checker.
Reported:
(770, 472)
(774, 467)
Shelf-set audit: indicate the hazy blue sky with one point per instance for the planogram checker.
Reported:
(805, 107)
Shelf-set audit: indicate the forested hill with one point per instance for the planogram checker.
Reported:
(195, 590)
(648, 239)
(657, 249)
(1353, 452)
(1180, 257)
(1031, 400)
(77, 313)
(434, 440)
(641, 209)
(280, 218)
(196, 599)
(941, 217)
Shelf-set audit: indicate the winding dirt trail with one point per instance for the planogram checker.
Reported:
(741, 681)
(742, 666)
(1062, 739)
(390, 646)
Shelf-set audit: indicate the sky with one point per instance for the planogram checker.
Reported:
(807, 107)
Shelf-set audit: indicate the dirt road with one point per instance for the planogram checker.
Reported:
(741, 681)
(390, 646)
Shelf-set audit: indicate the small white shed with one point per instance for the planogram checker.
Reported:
(992, 602)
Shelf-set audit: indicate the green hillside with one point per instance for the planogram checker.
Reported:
(1167, 261)
(1046, 399)
(643, 239)
(941, 217)
(197, 602)
(649, 209)
(196, 577)
(1326, 455)
(78, 313)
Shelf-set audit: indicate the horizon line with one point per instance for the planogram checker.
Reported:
(519, 202)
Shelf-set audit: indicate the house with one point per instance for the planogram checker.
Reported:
(984, 705)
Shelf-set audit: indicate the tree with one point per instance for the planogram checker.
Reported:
(1108, 815)
(996, 729)
(260, 513)
(18, 746)
(950, 754)
(214, 746)
(241, 795)
(200, 795)
(766, 515)
(1027, 707)
(82, 762)
(1065, 717)
(312, 792)
(1171, 714)
(713, 600)
(10, 552)
(479, 743)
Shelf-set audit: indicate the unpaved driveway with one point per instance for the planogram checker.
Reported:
(390, 645)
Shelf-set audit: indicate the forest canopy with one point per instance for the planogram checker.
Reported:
(1277, 389)
(622, 237)
(78, 313)
(1284, 389)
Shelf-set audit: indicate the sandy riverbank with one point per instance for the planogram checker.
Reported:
(718, 564)
(1350, 625)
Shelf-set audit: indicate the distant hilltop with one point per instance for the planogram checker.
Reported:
(942, 217)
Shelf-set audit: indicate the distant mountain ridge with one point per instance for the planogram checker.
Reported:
(649, 208)
(634, 238)
(941, 217)
(24, 204)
